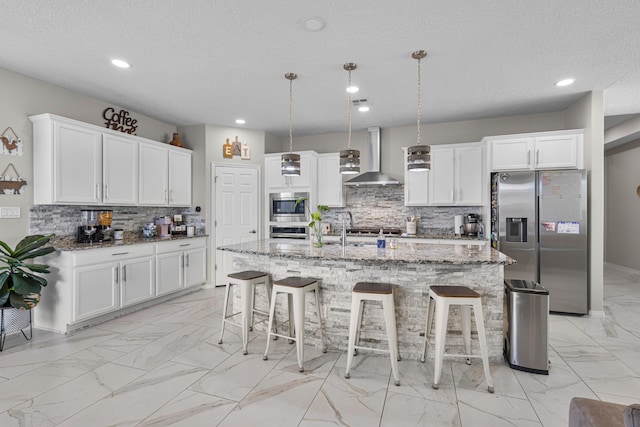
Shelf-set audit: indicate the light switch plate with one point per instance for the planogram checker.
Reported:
(7, 212)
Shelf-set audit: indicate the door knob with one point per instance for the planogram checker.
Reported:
(253, 232)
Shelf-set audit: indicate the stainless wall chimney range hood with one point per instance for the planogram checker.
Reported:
(374, 176)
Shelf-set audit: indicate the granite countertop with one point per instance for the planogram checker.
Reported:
(406, 253)
(435, 236)
(69, 243)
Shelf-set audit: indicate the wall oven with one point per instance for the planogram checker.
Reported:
(284, 232)
(283, 208)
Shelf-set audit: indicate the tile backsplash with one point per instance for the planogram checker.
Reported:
(64, 220)
(376, 206)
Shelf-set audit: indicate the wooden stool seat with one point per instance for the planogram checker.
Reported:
(295, 282)
(373, 288)
(371, 291)
(247, 275)
(454, 292)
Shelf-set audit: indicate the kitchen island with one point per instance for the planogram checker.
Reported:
(412, 267)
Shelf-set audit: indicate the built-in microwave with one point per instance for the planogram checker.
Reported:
(284, 207)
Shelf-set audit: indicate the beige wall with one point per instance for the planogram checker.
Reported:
(21, 97)
(622, 205)
(588, 113)
(393, 139)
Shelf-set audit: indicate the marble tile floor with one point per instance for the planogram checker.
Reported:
(163, 366)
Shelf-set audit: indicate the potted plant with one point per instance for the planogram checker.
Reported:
(315, 224)
(20, 284)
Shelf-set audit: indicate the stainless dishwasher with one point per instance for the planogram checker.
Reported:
(526, 326)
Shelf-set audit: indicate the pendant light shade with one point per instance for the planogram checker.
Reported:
(349, 158)
(290, 162)
(418, 156)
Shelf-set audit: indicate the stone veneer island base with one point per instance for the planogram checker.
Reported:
(412, 267)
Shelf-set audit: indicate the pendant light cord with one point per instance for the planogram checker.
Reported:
(349, 111)
(290, 115)
(419, 107)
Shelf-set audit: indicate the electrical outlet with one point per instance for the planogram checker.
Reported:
(7, 212)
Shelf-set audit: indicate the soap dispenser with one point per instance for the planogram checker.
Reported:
(382, 241)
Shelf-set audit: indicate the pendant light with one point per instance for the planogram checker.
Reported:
(290, 162)
(418, 157)
(349, 159)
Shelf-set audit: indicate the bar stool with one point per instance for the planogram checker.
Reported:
(246, 281)
(296, 289)
(466, 298)
(367, 291)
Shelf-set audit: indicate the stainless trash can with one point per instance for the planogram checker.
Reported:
(526, 320)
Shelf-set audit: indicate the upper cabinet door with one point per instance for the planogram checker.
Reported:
(273, 173)
(275, 179)
(77, 166)
(441, 180)
(306, 172)
(179, 178)
(120, 170)
(154, 175)
(556, 152)
(511, 154)
(469, 175)
(330, 184)
(416, 185)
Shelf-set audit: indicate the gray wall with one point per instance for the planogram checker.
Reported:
(23, 96)
(622, 205)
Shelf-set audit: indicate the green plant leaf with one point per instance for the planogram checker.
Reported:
(31, 243)
(36, 253)
(7, 250)
(37, 268)
(4, 293)
(25, 285)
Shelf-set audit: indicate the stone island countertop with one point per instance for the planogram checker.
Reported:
(407, 252)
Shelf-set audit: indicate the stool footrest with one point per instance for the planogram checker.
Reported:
(379, 350)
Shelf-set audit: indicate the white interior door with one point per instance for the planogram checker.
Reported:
(236, 212)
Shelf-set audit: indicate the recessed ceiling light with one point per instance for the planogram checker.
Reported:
(313, 24)
(120, 63)
(565, 82)
(363, 108)
(353, 89)
(240, 121)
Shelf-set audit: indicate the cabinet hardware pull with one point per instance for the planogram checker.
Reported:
(106, 191)
(97, 191)
(117, 275)
(537, 157)
(185, 244)
(119, 253)
(165, 195)
(187, 260)
(124, 273)
(170, 195)
(528, 158)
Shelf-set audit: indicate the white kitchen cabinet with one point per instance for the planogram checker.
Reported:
(330, 180)
(95, 290)
(77, 163)
(546, 150)
(456, 177)
(154, 175)
(67, 162)
(416, 185)
(179, 177)
(180, 264)
(275, 180)
(137, 280)
(119, 170)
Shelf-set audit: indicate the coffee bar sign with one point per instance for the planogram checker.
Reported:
(120, 121)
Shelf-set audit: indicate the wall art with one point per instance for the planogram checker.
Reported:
(11, 184)
(11, 143)
(120, 121)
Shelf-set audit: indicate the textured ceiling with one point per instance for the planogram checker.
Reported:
(212, 61)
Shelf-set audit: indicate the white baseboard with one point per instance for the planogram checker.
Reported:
(621, 268)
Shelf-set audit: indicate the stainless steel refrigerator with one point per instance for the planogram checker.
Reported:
(539, 218)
